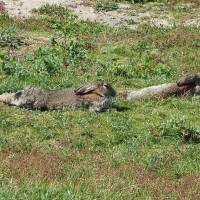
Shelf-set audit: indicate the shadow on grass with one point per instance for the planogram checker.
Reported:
(120, 108)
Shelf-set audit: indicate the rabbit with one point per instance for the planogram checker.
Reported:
(192, 81)
(94, 96)
(188, 84)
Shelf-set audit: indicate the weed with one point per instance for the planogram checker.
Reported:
(52, 10)
(11, 66)
(131, 22)
(64, 27)
(8, 39)
(6, 21)
(75, 53)
(3, 141)
(143, 1)
(46, 60)
(106, 6)
(179, 127)
(183, 8)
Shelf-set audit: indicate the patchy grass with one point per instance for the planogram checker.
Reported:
(106, 6)
(136, 150)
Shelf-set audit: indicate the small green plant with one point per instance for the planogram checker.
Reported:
(46, 61)
(64, 27)
(131, 22)
(75, 53)
(64, 24)
(3, 140)
(182, 9)
(179, 127)
(52, 10)
(106, 6)
(9, 39)
(43, 62)
(143, 1)
(11, 66)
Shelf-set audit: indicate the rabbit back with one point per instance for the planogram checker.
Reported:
(163, 91)
(67, 99)
(44, 99)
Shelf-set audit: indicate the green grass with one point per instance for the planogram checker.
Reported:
(137, 151)
(106, 6)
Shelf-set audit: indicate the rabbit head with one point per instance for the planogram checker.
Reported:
(99, 87)
(190, 80)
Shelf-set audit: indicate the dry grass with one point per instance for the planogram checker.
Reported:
(100, 175)
(35, 165)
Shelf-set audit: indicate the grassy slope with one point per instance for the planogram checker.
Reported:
(111, 155)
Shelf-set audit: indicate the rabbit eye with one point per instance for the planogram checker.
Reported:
(105, 85)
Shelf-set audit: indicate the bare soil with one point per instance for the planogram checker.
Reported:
(124, 16)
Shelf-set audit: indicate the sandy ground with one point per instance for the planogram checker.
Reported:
(124, 16)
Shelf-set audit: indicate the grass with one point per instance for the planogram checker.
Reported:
(136, 152)
(106, 6)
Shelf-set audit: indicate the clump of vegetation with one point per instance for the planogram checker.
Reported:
(178, 127)
(106, 6)
(8, 39)
(46, 60)
(64, 28)
(75, 53)
(131, 22)
(64, 24)
(143, 1)
(52, 10)
(43, 62)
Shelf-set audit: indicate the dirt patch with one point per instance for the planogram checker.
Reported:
(125, 15)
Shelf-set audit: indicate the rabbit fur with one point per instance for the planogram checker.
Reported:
(94, 96)
(188, 84)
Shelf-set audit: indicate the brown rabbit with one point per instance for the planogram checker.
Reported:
(94, 96)
(189, 84)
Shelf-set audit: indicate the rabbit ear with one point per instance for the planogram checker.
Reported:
(17, 95)
(187, 80)
(85, 89)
